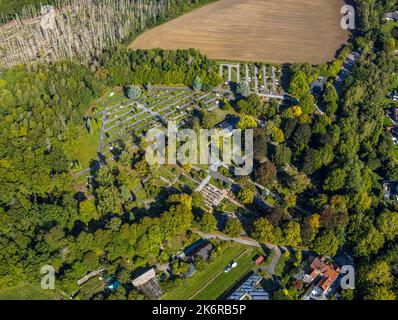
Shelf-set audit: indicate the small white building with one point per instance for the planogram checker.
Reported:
(391, 16)
(148, 284)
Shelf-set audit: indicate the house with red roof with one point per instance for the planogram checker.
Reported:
(321, 276)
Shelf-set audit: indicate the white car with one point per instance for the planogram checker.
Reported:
(231, 266)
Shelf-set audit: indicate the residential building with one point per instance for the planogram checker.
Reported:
(202, 251)
(390, 189)
(321, 276)
(393, 113)
(229, 124)
(250, 289)
(148, 284)
(259, 260)
(393, 95)
(318, 86)
(391, 16)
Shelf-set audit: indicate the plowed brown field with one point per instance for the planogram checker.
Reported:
(275, 31)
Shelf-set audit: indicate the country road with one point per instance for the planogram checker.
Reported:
(249, 242)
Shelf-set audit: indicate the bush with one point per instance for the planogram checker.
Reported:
(133, 92)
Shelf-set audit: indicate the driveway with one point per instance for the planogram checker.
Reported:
(249, 242)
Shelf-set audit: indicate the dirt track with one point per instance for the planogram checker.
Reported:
(275, 31)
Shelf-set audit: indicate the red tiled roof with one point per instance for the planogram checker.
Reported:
(327, 271)
(314, 273)
(259, 260)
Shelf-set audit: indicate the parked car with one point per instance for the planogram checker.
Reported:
(229, 267)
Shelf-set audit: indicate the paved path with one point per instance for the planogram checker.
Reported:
(248, 242)
(266, 91)
(275, 259)
(247, 76)
(203, 183)
(319, 110)
(274, 87)
(245, 241)
(256, 79)
(348, 65)
(170, 88)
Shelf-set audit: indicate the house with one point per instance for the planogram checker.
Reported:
(249, 289)
(259, 260)
(394, 114)
(148, 284)
(393, 95)
(390, 189)
(229, 124)
(202, 251)
(318, 86)
(201, 247)
(298, 284)
(391, 16)
(393, 131)
(321, 276)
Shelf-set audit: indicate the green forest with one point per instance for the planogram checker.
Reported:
(11, 7)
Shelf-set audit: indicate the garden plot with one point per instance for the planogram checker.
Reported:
(230, 72)
(108, 101)
(261, 78)
(154, 110)
(141, 111)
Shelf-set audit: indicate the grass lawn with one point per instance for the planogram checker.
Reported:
(270, 199)
(104, 100)
(140, 194)
(91, 287)
(84, 148)
(389, 103)
(283, 264)
(228, 206)
(28, 291)
(187, 182)
(387, 121)
(166, 172)
(219, 115)
(214, 273)
(135, 182)
(226, 280)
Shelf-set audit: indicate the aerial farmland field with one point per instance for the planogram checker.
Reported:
(255, 30)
